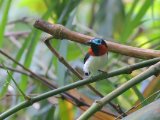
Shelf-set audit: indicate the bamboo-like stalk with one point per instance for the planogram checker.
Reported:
(43, 80)
(124, 70)
(60, 32)
(98, 104)
(65, 63)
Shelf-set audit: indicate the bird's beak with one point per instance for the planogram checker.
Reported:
(88, 42)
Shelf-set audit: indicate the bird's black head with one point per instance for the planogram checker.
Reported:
(96, 42)
(98, 47)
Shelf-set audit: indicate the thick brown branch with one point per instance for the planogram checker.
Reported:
(59, 32)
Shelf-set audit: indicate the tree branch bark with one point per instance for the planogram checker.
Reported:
(60, 32)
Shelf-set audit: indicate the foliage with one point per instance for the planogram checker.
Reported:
(131, 22)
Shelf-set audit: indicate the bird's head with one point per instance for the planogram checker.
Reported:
(98, 47)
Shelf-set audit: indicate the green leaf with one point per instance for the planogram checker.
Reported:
(34, 5)
(138, 93)
(131, 23)
(18, 57)
(4, 20)
(73, 52)
(29, 56)
(149, 112)
(34, 41)
(65, 112)
(1, 2)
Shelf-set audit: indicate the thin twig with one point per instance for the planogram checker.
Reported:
(70, 98)
(48, 83)
(23, 94)
(30, 75)
(16, 34)
(16, 70)
(99, 77)
(45, 81)
(14, 41)
(63, 61)
(134, 107)
(23, 20)
(70, 5)
(98, 104)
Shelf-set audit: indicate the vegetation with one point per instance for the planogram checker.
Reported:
(41, 73)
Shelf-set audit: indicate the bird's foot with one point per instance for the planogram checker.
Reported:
(87, 74)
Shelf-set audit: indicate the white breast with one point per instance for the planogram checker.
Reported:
(94, 63)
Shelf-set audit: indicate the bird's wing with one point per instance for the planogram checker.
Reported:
(86, 57)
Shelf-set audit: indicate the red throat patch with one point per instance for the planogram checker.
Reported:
(102, 49)
(90, 51)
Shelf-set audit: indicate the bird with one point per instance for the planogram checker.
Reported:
(96, 57)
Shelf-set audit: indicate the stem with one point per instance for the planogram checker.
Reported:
(61, 32)
(97, 105)
(43, 80)
(101, 76)
(46, 82)
(65, 63)
(4, 19)
(23, 94)
(16, 70)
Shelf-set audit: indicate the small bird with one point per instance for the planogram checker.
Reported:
(96, 56)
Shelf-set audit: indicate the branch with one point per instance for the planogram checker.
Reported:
(25, 20)
(79, 100)
(44, 80)
(97, 105)
(26, 97)
(16, 34)
(69, 97)
(99, 77)
(60, 32)
(131, 110)
(65, 63)
(16, 70)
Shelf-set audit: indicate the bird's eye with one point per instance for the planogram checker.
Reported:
(99, 41)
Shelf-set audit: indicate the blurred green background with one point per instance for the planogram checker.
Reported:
(130, 22)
